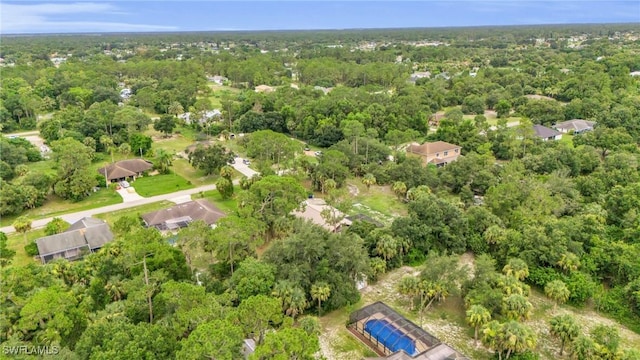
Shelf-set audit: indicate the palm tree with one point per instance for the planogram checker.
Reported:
(115, 288)
(21, 170)
(583, 348)
(516, 307)
(565, 327)
(297, 303)
(23, 226)
(164, 160)
(409, 286)
(369, 180)
(516, 337)
(320, 291)
(226, 172)
(107, 143)
(400, 189)
(175, 108)
(510, 285)
(516, 268)
(477, 315)
(282, 290)
(328, 185)
(387, 246)
(557, 291)
(494, 234)
(124, 149)
(491, 336)
(569, 262)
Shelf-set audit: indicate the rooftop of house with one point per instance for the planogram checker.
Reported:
(545, 132)
(200, 209)
(575, 124)
(88, 231)
(430, 148)
(125, 168)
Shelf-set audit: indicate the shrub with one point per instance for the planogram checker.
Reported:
(32, 249)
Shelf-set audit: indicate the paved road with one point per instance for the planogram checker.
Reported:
(73, 217)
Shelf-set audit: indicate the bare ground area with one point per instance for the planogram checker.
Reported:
(446, 321)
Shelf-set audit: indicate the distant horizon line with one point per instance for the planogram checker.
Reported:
(86, 33)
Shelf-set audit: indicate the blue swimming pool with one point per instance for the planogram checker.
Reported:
(390, 336)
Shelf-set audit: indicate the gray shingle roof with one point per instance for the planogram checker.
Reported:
(87, 232)
(545, 132)
(190, 211)
(126, 168)
(575, 125)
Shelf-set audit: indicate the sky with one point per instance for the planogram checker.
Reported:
(59, 16)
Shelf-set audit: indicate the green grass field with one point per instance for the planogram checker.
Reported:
(160, 184)
(229, 206)
(16, 243)
(56, 206)
(112, 217)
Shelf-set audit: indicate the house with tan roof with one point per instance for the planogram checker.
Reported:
(439, 153)
(125, 169)
(313, 210)
(85, 236)
(182, 215)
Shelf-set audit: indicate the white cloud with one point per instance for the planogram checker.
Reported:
(45, 18)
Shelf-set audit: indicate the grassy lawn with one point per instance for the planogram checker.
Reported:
(196, 176)
(567, 139)
(229, 206)
(378, 199)
(56, 206)
(160, 184)
(16, 243)
(112, 217)
(177, 142)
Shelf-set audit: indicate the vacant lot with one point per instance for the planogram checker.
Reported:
(160, 184)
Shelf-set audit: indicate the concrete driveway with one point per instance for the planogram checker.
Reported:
(129, 194)
(243, 169)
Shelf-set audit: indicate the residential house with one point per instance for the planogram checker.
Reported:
(248, 348)
(265, 89)
(125, 169)
(83, 237)
(419, 75)
(182, 215)
(546, 133)
(205, 116)
(219, 80)
(635, 73)
(125, 93)
(439, 153)
(313, 210)
(576, 126)
(393, 337)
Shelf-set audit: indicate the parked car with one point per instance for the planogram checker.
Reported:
(318, 153)
(232, 161)
(124, 184)
(246, 162)
(306, 147)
